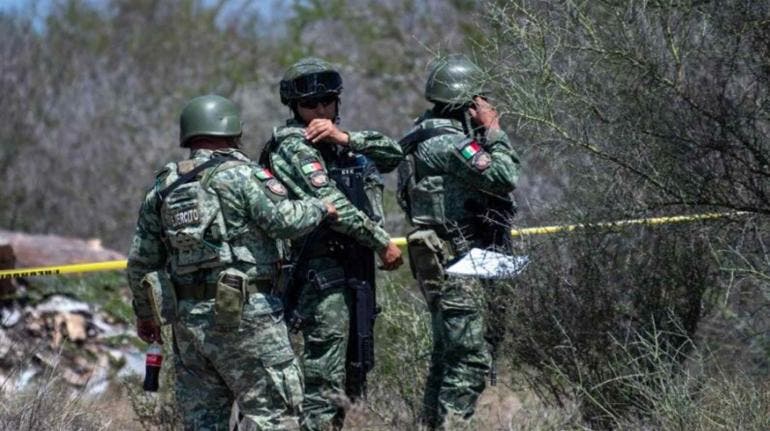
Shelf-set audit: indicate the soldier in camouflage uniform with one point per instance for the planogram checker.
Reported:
(314, 157)
(208, 227)
(455, 186)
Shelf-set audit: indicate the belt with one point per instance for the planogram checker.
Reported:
(202, 292)
(196, 292)
(264, 286)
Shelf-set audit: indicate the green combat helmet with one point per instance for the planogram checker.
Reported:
(454, 80)
(209, 115)
(309, 77)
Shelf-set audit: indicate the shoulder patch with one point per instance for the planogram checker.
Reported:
(319, 179)
(310, 166)
(472, 153)
(482, 160)
(264, 174)
(468, 149)
(276, 187)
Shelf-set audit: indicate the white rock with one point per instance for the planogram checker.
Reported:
(62, 304)
(5, 344)
(9, 317)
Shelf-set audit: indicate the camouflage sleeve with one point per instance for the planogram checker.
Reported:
(147, 254)
(302, 169)
(284, 219)
(243, 191)
(492, 166)
(382, 150)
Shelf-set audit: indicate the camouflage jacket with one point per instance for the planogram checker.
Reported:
(255, 211)
(452, 179)
(303, 168)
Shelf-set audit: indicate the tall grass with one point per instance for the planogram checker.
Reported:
(48, 404)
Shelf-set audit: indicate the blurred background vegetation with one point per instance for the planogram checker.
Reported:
(619, 109)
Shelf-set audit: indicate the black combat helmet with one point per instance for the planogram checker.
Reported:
(309, 77)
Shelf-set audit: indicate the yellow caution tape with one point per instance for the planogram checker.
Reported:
(110, 265)
(545, 230)
(116, 265)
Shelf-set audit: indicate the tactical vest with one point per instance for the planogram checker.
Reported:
(421, 197)
(194, 227)
(469, 216)
(357, 178)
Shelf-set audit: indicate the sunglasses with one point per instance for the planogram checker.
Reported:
(313, 83)
(313, 103)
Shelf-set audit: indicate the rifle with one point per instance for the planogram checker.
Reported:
(360, 354)
(359, 266)
(363, 309)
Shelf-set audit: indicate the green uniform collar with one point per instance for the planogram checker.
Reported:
(293, 122)
(204, 153)
(428, 120)
(292, 127)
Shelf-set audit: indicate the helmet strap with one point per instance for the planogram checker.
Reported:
(337, 111)
(295, 113)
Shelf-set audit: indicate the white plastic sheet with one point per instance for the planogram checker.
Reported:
(488, 264)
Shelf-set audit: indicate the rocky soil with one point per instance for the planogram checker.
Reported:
(75, 324)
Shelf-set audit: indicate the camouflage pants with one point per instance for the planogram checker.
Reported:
(460, 360)
(325, 334)
(252, 366)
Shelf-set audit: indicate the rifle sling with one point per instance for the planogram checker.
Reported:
(186, 178)
(409, 142)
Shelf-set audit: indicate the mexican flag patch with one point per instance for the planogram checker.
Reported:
(309, 168)
(264, 174)
(470, 150)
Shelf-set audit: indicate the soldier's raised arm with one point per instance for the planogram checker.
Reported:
(382, 150)
(492, 166)
(301, 168)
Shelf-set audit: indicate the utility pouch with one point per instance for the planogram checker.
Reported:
(327, 278)
(161, 295)
(427, 256)
(231, 293)
(426, 199)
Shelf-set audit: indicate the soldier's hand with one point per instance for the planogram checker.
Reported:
(331, 211)
(323, 130)
(391, 257)
(148, 330)
(484, 113)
